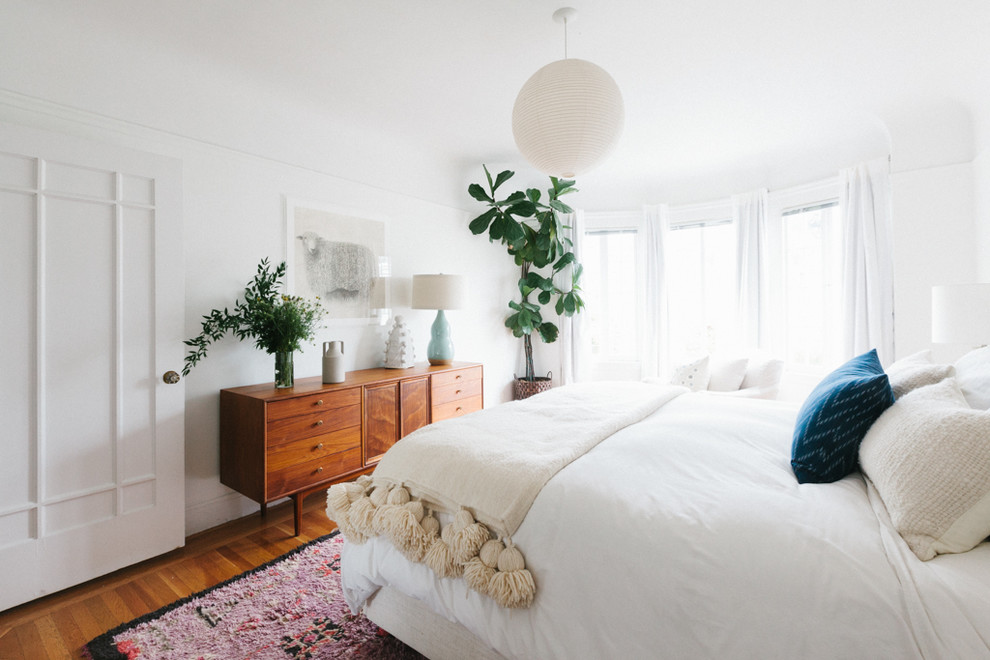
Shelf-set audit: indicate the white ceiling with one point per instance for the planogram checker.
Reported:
(721, 96)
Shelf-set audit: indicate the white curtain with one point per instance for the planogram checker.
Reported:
(655, 348)
(749, 212)
(867, 260)
(574, 345)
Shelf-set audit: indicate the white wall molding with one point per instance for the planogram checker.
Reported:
(49, 115)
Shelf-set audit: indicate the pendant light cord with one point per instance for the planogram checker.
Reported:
(565, 37)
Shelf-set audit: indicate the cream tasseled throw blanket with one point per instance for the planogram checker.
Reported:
(486, 468)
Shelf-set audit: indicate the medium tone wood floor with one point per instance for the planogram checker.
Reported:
(57, 626)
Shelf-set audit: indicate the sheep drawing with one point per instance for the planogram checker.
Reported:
(338, 271)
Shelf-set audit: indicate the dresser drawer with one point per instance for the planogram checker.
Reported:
(302, 475)
(305, 405)
(320, 446)
(462, 389)
(456, 408)
(447, 378)
(285, 430)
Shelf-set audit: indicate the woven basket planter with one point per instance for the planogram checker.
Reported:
(523, 389)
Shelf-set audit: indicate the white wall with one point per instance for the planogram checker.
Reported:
(981, 177)
(934, 243)
(234, 216)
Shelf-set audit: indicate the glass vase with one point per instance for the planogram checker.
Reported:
(284, 376)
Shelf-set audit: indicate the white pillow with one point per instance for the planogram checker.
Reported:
(929, 457)
(916, 370)
(693, 375)
(973, 376)
(727, 375)
(763, 373)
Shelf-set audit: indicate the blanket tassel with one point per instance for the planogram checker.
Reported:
(440, 558)
(512, 585)
(468, 536)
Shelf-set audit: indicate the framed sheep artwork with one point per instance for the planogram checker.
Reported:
(337, 256)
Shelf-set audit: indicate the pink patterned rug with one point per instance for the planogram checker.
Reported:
(289, 608)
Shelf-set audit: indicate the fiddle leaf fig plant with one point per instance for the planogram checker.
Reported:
(531, 230)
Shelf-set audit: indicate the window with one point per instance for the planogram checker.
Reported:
(810, 282)
(700, 251)
(612, 293)
(700, 259)
(611, 256)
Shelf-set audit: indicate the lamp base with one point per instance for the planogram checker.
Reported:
(441, 348)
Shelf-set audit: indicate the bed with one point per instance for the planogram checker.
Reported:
(685, 534)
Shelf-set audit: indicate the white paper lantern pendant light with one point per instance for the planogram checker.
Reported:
(569, 115)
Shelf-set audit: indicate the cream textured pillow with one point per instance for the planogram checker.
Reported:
(929, 457)
(693, 375)
(973, 374)
(916, 370)
(727, 375)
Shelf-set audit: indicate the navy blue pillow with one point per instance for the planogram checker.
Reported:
(836, 416)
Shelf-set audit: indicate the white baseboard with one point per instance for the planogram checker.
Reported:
(227, 507)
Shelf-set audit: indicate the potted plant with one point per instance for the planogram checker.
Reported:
(533, 235)
(278, 323)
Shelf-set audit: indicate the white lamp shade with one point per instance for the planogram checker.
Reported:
(568, 117)
(438, 292)
(961, 314)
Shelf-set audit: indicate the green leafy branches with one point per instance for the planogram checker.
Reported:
(533, 235)
(277, 322)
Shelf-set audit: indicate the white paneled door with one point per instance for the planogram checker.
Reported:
(91, 437)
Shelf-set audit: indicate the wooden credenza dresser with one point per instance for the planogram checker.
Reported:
(289, 442)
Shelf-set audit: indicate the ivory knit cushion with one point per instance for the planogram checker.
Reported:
(973, 376)
(929, 457)
(693, 375)
(835, 417)
(916, 370)
(727, 375)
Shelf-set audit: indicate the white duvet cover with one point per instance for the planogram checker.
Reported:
(687, 536)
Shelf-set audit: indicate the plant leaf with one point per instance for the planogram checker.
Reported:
(565, 259)
(502, 177)
(479, 193)
(523, 208)
(480, 224)
(548, 332)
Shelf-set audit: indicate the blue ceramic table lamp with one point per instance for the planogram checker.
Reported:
(438, 292)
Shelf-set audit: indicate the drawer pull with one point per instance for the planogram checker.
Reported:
(319, 446)
(319, 422)
(319, 403)
(459, 409)
(457, 391)
(319, 469)
(457, 377)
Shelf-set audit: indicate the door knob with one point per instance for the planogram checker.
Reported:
(170, 377)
